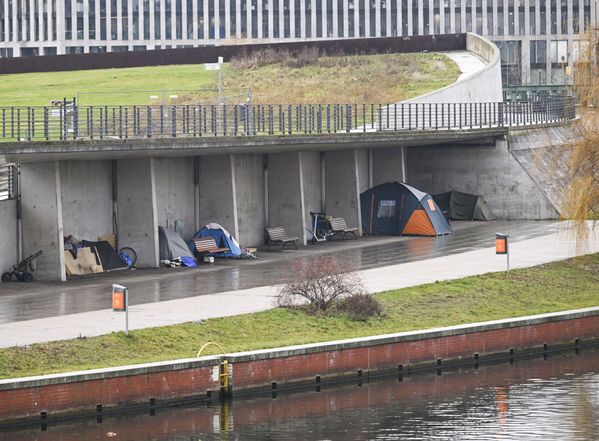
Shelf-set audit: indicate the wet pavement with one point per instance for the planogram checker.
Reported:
(21, 302)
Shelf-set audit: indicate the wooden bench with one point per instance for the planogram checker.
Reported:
(341, 229)
(278, 236)
(207, 245)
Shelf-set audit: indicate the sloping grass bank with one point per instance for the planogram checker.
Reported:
(275, 78)
(553, 287)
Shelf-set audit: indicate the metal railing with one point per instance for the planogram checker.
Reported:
(64, 123)
(537, 92)
(8, 182)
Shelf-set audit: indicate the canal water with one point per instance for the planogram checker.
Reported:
(556, 398)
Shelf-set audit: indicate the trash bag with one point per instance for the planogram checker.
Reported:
(189, 261)
(126, 258)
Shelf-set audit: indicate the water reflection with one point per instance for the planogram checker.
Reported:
(556, 398)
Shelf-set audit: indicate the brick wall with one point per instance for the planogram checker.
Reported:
(262, 372)
(184, 378)
(85, 395)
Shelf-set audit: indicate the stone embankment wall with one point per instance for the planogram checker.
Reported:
(51, 396)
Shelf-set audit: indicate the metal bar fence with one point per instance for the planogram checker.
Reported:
(25, 124)
(8, 181)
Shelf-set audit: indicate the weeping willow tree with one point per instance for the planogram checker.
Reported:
(582, 194)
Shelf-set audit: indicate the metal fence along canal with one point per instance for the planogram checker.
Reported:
(66, 121)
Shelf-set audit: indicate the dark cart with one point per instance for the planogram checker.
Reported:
(23, 272)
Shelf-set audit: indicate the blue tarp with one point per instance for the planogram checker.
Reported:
(222, 238)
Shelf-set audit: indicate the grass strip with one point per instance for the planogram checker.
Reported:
(558, 286)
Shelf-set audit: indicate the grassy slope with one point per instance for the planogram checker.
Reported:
(370, 79)
(553, 287)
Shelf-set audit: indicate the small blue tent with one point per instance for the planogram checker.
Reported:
(396, 208)
(222, 238)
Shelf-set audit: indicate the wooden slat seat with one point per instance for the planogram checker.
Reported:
(278, 236)
(340, 228)
(207, 245)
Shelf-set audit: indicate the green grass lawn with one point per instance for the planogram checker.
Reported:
(341, 79)
(553, 287)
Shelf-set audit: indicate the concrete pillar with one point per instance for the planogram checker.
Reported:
(137, 223)
(363, 167)
(8, 235)
(343, 186)
(388, 165)
(42, 218)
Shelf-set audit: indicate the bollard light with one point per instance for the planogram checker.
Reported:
(502, 247)
(120, 303)
(501, 243)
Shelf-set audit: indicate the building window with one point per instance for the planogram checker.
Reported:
(73, 50)
(510, 62)
(538, 62)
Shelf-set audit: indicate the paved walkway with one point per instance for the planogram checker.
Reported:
(528, 252)
(37, 300)
(468, 63)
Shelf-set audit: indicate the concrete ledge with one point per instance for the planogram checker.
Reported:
(145, 148)
(110, 372)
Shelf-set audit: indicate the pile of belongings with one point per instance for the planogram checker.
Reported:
(173, 249)
(86, 257)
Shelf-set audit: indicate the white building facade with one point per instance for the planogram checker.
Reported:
(538, 39)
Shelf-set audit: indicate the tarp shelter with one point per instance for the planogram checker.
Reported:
(108, 256)
(463, 206)
(222, 237)
(397, 208)
(171, 245)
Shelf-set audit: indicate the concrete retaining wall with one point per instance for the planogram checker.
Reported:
(544, 154)
(216, 192)
(86, 198)
(285, 202)
(42, 218)
(434, 348)
(8, 234)
(492, 172)
(137, 222)
(482, 86)
(249, 197)
(175, 193)
(388, 165)
(342, 186)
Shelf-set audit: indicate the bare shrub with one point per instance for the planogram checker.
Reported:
(303, 57)
(360, 307)
(291, 59)
(319, 282)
